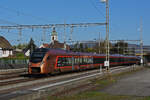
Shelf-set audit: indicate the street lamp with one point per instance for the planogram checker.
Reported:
(106, 63)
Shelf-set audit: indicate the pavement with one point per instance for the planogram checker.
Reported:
(137, 84)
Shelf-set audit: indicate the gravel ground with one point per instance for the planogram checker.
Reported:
(137, 84)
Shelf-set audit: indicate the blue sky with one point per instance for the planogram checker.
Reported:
(124, 18)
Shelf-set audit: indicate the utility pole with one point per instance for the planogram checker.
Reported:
(71, 31)
(141, 40)
(64, 35)
(20, 34)
(99, 43)
(44, 34)
(106, 63)
(107, 35)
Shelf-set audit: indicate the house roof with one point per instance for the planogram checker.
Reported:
(4, 44)
(46, 45)
(55, 44)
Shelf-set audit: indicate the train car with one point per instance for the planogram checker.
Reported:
(49, 61)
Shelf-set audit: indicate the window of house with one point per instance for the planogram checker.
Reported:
(4, 51)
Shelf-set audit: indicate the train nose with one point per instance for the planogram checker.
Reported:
(34, 68)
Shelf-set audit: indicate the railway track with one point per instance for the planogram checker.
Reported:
(33, 84)
(5, 77)
(19, 78)
(14, 81)
(34, 80)
(12, 73)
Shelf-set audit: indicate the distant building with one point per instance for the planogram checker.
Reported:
(5, 48)
(136, 48)
(26, 52)
(45, 45)
(55, 43)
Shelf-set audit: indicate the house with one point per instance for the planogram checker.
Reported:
(5, 48)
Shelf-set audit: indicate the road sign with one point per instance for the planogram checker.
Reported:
(106, 63)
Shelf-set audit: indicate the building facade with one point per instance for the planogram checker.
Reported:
(6, 49)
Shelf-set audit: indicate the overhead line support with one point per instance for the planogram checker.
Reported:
(52, 25)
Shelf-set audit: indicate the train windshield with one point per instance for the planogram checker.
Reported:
(38, 55)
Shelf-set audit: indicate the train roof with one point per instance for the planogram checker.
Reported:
(66, 52)
(41, 50)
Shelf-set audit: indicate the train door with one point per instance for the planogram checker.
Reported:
(73, 63)
(50, 63)
(91, 62)
(76, 63)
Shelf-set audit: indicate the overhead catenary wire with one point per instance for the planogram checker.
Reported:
(52, 25)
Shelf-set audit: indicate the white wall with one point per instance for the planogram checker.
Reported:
(5, 53)
(1, 52)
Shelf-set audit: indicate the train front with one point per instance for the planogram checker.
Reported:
(36, 63)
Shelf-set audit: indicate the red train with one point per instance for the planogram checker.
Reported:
(45, 60)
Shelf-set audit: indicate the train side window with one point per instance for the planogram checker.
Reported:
(76, 60)
(64, 61)
(59, 62)
(69, 60)
(84, 61)
(111, 60)
(88, 60)
(81, 61)
(115, 59)
(101, 60)
(91, 60)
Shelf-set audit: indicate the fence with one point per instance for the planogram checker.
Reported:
(13, 63)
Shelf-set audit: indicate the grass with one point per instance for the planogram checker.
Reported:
(95, 94)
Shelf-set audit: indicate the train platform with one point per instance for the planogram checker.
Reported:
(137, 84)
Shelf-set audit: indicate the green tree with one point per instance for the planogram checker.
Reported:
(31, 45)
(81, 48)
(90, 50)
(20, 46)
(86, 48)
(75, 47)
